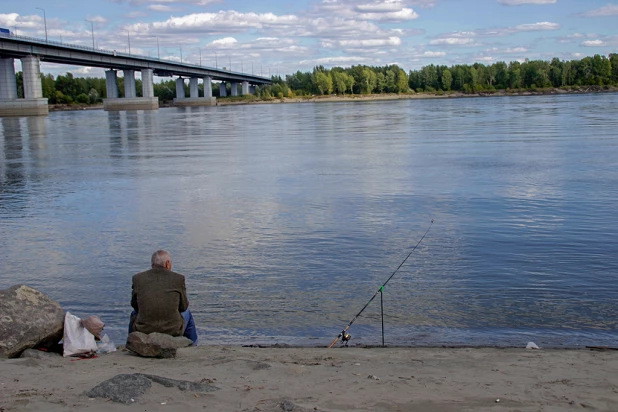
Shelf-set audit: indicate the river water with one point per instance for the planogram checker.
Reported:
(286, 219)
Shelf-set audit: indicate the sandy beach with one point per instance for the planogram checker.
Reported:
(320, 379)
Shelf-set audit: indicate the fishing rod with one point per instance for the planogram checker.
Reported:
(344, 336)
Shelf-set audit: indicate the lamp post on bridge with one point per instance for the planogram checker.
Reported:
(129, 38)
(92, 28)
(158, 54)
(45, 20)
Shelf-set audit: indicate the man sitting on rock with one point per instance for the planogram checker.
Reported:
(159, 300)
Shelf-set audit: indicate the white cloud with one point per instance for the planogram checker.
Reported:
(571, 38)
(609, 10)
(433, 54)
(454, 41)
(391, 41)
(226, 42)
(99, 19)
(593, 43)
(468, 38)
(508, 50)
(520, 2)
(161, 8)
(545, 25)
(343, 61)
(213, 23)
(377, 10)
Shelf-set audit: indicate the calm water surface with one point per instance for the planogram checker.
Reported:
(286, 219)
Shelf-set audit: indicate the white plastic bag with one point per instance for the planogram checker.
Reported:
(77, 340)
(532, 345)
(106, 345)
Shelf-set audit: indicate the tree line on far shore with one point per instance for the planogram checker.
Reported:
(532, 74)
(596, 70)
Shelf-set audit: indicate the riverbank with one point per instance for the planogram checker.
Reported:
(408, 96)
(241, 100)
(319, 379)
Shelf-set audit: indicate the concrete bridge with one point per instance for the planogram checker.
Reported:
(32, 51)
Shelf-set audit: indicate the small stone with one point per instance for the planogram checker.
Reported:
(261, 366)
(497, 400)
(156, 345)
(374, 377)
(287, 406)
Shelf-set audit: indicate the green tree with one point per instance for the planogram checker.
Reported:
(514, 75)
(93, 96)
(401, 81)
(613, 60)
(381, 82)
(502, 75)
(48, 86)
(473, 78)
(555, 72)
(19, 79)
(82, 98)
(323, 82)
(447, 80)
(349, 82)
(390, 83)
(339, 82)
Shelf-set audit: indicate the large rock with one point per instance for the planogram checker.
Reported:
(28, 319)
(129, 388)
(156, 345)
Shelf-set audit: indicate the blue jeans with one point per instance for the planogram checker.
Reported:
(190, 330)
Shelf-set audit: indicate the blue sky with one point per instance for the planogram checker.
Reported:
(284, 36)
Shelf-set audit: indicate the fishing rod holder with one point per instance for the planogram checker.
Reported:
(345, 338)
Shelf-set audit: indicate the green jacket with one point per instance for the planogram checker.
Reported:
(159, 296)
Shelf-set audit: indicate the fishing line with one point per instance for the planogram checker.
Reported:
(344, 336)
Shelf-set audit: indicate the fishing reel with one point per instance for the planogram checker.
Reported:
(345, 338)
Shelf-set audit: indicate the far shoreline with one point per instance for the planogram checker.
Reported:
(247, 100)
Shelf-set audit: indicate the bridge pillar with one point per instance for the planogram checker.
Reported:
(31, 70)
(8, 85)
(147, 86)
(207, 86)
(234, 87)
(111, 84)
(130, 101)
(222, 89)
(193, 88)
(129, 84)
(33, 103)
(245, 88)
(180, 88)
(195, 99)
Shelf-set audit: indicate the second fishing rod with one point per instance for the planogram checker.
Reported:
(344, 336)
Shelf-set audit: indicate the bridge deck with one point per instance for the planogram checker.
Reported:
(56, 52)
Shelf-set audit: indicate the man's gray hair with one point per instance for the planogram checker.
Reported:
(160, 257)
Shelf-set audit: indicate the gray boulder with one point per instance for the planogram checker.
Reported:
(121, 388)
(28, 318)
(156, 345)
(129, 388)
